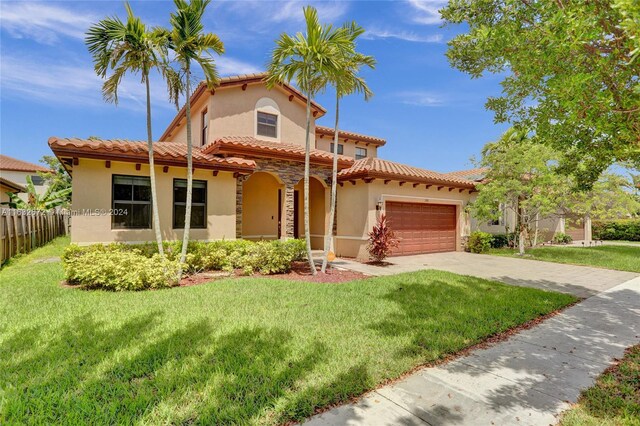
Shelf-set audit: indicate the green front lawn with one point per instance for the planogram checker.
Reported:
(614, 399)
(623, 258)
(250, 350)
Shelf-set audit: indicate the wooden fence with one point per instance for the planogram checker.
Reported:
(23, 230)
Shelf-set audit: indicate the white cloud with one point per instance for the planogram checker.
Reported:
(43, 22)
(375, 33)
(426, 11)
(287, 11)
(421, 98)
(229, 66)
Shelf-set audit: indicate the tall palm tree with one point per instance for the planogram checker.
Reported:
(131, 47)
(309, 59)
(345, 82)
(190, 44)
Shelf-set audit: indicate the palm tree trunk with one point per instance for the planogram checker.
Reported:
(152, 172)
(328, 240)
(307, 153)
(187, 213)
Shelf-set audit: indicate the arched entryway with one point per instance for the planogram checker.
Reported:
(318, 211)
(261, 207)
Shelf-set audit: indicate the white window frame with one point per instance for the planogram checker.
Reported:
(267, 106)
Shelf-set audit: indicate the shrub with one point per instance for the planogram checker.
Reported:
(500, 240)
(479, 242)
(622, 229)
(117, 267)
(562, 238)
(382, 240)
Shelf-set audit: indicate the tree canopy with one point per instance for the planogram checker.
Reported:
(570, 73)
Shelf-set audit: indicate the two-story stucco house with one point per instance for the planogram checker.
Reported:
(248, 170)
(13, 176)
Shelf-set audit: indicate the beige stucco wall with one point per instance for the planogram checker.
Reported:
(355, 220)
(232, 112)
(92, 190)
(349, 148)
(21, 179)
(4, 198)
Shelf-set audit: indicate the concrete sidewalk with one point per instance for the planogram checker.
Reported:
(581, 281)
(527, 380)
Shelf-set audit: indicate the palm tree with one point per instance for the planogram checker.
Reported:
(309, 59)
(346, 82)
(191, 44)
(47, 201)
(132, 48)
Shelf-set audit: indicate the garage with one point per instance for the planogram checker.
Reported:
(421, 227)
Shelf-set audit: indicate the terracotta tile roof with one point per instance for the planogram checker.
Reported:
(165, 153)
(322, 130)
(250, 146)
(233, 81)
(10, 163)
(379, 168)
(477, 174)
(12, 185)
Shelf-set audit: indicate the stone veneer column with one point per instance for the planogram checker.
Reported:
(289, 221)
(239, 187)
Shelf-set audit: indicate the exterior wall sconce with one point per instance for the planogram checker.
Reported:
(379, 206)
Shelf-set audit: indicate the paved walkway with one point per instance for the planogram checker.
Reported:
(526, 380)
(581, 281)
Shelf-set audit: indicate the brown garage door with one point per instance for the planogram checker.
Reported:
(422, 228)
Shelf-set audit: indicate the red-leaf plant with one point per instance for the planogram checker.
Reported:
(382, 240)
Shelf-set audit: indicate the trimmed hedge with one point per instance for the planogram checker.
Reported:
(121, 266)
(562, 238)
(621, 229)
(479, 242)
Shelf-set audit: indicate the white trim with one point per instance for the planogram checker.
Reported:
(268, 106)
(349, 237)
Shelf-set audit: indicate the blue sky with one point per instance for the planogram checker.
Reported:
(431, 115)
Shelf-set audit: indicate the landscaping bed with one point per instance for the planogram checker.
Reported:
(243, 350)
(623, 258)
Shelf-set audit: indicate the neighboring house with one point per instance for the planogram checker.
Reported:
(16, 171)
(7, 186)
(579, 228)
(248, 151)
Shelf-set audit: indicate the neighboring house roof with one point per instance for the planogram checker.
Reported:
(13, 187)
(164, 153)
(247, 145)
(378, 168)
(234, 81)
(328, 131)
(13, 164)
(476, 175)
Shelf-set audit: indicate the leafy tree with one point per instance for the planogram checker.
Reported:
(571, 73)
(523, 177)
(191, 44)
(50, 199)
(311, 59)
(130, 47)
(346, 82)
(57, 178)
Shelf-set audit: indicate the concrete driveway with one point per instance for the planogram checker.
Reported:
(581, 281)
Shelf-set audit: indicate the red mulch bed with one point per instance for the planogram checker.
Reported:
(300, 271)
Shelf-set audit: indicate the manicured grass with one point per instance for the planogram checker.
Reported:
(623, 258)
(614, 399)
(236, 351)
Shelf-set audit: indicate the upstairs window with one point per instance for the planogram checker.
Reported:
(198, 203)
(340, 148)
(131, 196)
(267, 124)
(361, 153)
(37, 180)
(204, 133)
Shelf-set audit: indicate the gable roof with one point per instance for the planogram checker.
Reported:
(13, 164)
(12, 185)
(234, 81)
(385, 169)
(164, 153)
(477, 174)
(248, 145)
(328, 131)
